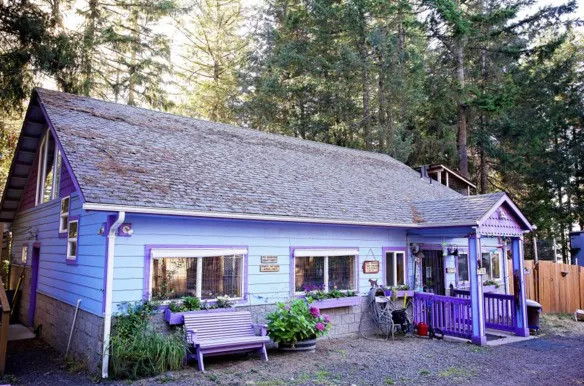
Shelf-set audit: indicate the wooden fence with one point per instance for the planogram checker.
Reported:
(559, 288)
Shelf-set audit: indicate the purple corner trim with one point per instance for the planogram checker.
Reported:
(107, 225)
(63, 154)
(403, 249)
(73, 261)
(147, 258)
(35, 261)
(293, 265)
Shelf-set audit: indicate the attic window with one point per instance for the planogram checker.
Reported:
(49, 170)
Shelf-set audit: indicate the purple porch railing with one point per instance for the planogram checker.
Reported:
(499, 309)
(450, 314)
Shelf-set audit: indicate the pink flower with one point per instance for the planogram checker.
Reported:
(326, 318)
(315, 312)
(319, 326)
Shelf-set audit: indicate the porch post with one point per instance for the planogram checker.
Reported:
(476, 290)
(521, 327)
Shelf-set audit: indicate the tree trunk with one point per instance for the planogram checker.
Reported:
(133, 60)
(88, 49)
(461, 120)
(366, 109)
(484, 166)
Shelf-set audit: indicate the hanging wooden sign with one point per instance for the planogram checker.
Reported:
(270, 268)
(450, 270)
(269, 259)
(371, 266)
(481, 271)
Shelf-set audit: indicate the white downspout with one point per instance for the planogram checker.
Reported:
(107, 317)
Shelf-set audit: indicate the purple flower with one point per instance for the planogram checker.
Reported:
(319, 326)
(315, 312)
(287, 308)
(326, 318)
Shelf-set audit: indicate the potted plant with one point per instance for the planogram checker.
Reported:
(400, 290)
(173, 313)
(296, 326)
(490, 286)
(331, 299)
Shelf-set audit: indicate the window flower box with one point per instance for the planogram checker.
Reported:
(400, 294)
(176, 318)
(338, 302)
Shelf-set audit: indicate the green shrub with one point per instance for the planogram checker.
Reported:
(296, 321)
(188, 303)
(137, 350)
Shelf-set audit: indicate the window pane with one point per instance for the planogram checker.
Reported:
(309, 273)
(65, 205)
(496, 265)
(222, 276)
(400, 269)
(389, 271)
(72, 248)
(462, 267)
(341, 272)
(172, 277)
(486, 263)
(73, 229)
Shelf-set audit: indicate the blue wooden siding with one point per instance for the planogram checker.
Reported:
(57, 279)
(261, 238)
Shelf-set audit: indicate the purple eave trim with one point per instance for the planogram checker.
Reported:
(292, 265)
(67, 260)
(63, 154)
(148, 249)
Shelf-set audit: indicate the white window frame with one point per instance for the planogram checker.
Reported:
(72, 239)
(24, 254)
(326, 254)
(460, 281)
(498, 253)
(42, 169)
(199, 254)
(395, 253)
(64, 226)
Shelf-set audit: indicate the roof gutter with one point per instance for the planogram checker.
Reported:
(259, 217)
(107, 317)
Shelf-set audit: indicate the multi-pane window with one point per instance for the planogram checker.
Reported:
(49, 170)
(395, 268)
(324, 269)
(492, 264)
(64, 214)
(205, 277)
(72, 235)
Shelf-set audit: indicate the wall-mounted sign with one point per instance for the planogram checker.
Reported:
(270, 268)
(371, 266)
(450, 270)
(481, 271)
(269, 259)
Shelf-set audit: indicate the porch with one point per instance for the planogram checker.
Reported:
(461, 276)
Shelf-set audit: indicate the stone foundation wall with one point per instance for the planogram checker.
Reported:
(56, 317)
(345, 320)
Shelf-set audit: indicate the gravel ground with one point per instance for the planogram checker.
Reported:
(555, 358)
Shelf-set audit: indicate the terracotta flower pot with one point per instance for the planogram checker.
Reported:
(308, 345)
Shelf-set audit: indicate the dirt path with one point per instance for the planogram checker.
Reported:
(553, 359)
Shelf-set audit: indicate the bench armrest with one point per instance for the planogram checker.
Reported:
(263, 328)
(191, 336)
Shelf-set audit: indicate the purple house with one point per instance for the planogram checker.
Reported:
(108, 203)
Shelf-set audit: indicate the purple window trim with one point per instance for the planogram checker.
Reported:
(403, 249)
(67, 260)
(63, 155)
(293, 267)
(63, 235)
(147, 258)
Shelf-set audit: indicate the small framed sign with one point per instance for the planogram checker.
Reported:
(371, 266)
(450, 270)
(481, 271)
(270, 268)
(269, 259)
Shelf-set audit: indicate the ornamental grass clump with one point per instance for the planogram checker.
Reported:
(137, 350)
(296, 322)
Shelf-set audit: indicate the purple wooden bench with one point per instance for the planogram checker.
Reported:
(223, 332)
